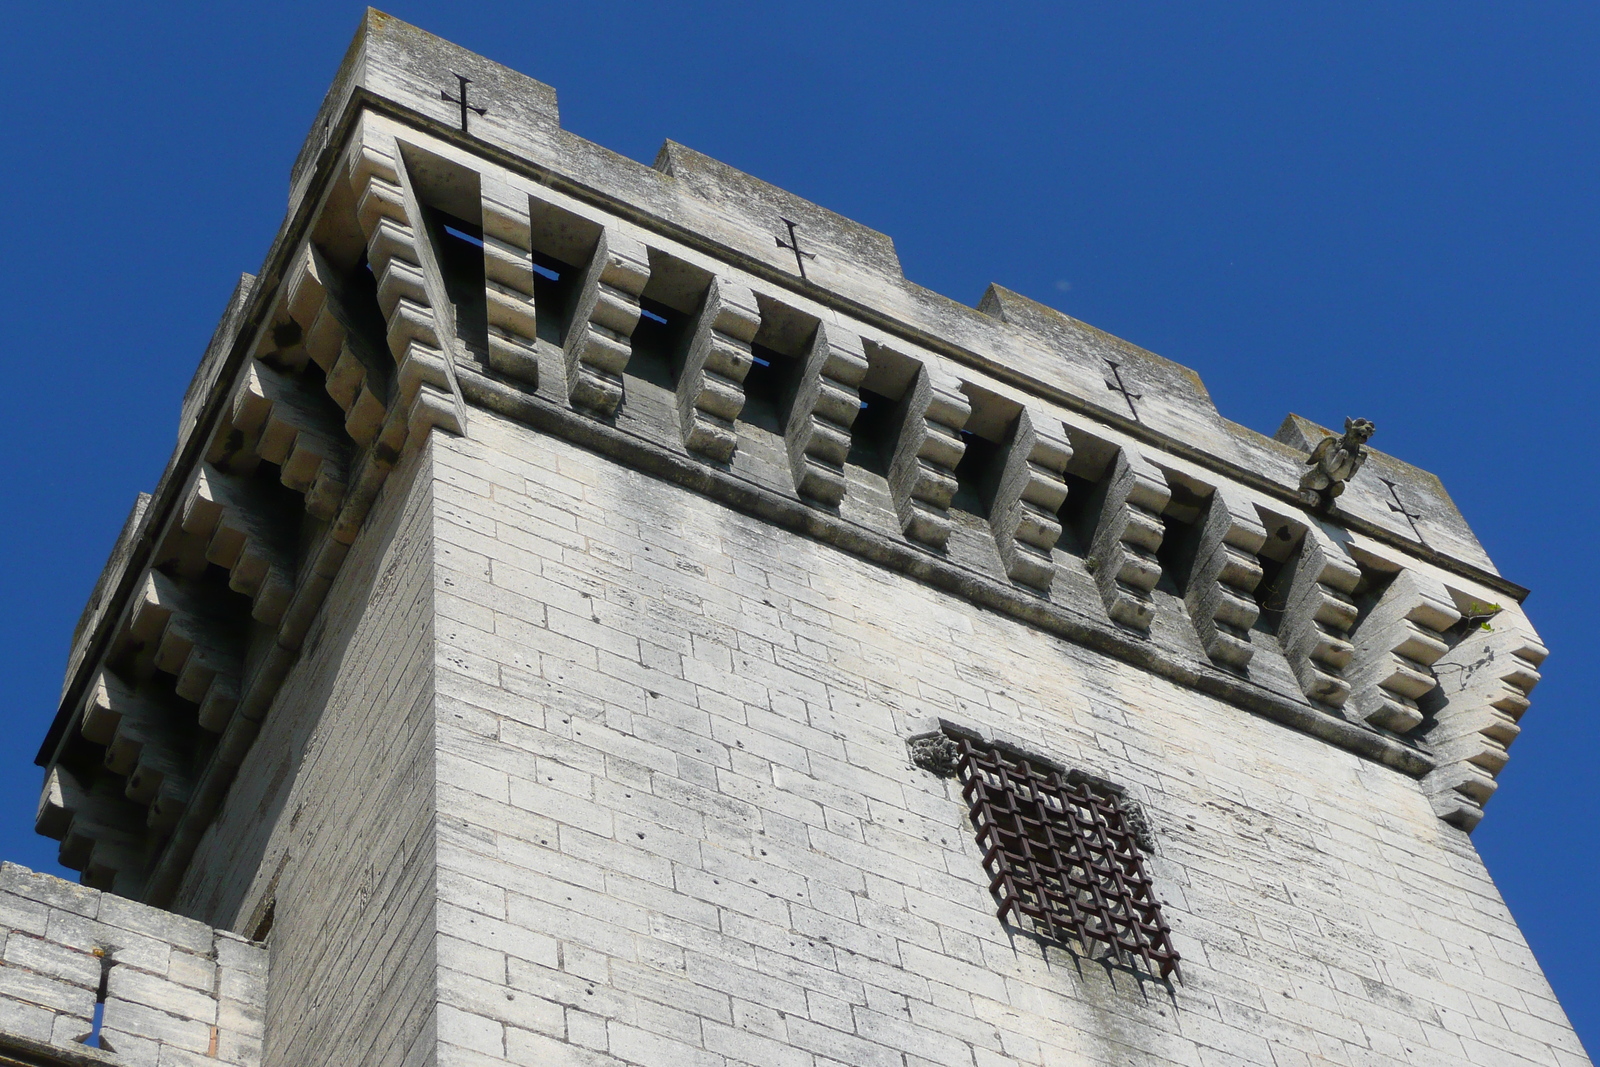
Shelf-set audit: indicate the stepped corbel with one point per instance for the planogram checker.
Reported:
(1222, 580)
(826, 404)
(922, 476)
(100, 830)
(715, 362)
(306, 303)
(280, 419)
(1395, 646)
(415, 334)
(244, 534)
(352, 375)
(141, 728)
(1317, 617)
(1484, 684)
(605, 312)
(1127, 529)
(187, 634)
(1030, 493)
(508, 281)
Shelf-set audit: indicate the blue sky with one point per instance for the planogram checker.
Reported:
(1387, 211)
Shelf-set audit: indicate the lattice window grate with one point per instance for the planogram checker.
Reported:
(1064, 856)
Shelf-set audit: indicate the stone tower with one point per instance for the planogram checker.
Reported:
(604, 614)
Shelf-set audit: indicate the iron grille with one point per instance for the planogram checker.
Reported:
(1063, 855)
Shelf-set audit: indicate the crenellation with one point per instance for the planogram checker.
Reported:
(1121, 528)
(243, 531)
(509, 285)
(410, 289)
(191, 632)
(605, 310)
(1483, 687)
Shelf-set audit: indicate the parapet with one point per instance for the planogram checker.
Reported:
(443, 262)
(90, 978)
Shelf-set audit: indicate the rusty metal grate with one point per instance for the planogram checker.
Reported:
(1063, 855)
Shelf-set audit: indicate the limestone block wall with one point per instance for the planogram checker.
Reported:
(678, 822)
(329, 827)
(175, 991)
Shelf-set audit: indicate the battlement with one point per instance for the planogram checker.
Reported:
(440, 266)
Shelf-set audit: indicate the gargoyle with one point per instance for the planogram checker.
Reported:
(1335, 461)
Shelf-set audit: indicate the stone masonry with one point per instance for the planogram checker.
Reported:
(172, 991)
(543, 646)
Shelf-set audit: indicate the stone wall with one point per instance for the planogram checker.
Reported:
(330, 823)
(678, 822)
(175, 991)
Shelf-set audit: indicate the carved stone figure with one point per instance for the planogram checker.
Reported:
(1334, 462)
(936, 753)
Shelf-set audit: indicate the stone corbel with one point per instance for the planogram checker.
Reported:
(352, 375)
(599, 340)
(827, 401)
(243, 533)
(1126, 514)
(410, 290)
(309, 316)
(181, 632)
(1484, 684)
(279, 419)
(100, 830)
(1317, 617)
(922, 476)
(715, 363)
(1029, 494)
(508, 279)
(1395, 646)
(141, 729)
(1222, 580)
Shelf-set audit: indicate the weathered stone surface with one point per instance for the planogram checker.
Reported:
(77, 946)
(578, 731)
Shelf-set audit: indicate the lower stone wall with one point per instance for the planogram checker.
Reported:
(176, 991)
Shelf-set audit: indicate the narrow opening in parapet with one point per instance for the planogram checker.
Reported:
(990, 428)
(657, 340)
(1182, 520)
(459, 247)
(768, 389)
(562, 244)
(872, 438)
(1374, 582)
(365, 329)
(555, 289)
(1179, 543)
(1075, 515)
(1277, 557)
(94, 1038)
(782, 342)
(1093, 460)
(976, 475)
